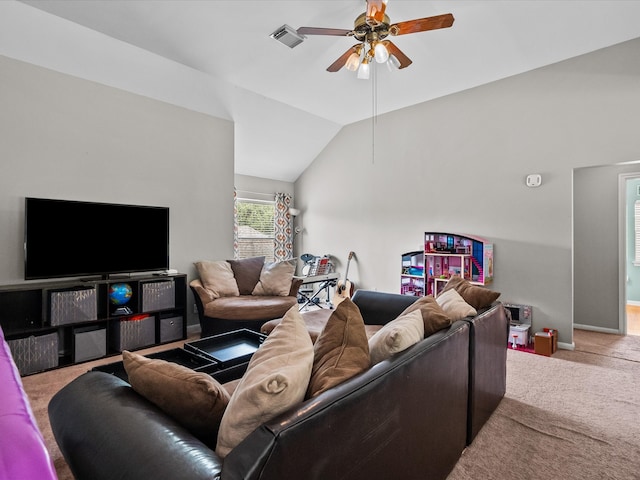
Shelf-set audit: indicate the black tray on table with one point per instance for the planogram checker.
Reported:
(228, 349)
(191, 360)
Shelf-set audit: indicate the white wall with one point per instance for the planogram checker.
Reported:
(68, 138)
(458, 164)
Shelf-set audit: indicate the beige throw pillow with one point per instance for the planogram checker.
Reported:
(454, 305)
(476, 296)
(275, 278)
(194, 399)
(341, 351)
(396, 336)
(217, 277)
(433, 316)
(275, 380)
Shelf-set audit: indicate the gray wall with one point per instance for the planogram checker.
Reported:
(63, 137)
(458, 164)
(596, 252)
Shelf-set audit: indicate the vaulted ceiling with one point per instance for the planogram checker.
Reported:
(217, 57)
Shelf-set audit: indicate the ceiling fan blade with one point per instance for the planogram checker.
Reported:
(375, 10)
(340, 62)
(422, 24)
(336, 32)
(396, 52)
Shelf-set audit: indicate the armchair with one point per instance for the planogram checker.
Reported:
(243, 293)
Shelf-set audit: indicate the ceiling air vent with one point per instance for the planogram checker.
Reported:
(287, 35)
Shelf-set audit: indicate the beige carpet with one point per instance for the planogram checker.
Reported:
(575, 415)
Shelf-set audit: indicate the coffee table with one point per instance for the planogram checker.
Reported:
(224, 356)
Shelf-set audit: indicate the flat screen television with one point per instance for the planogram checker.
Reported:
(64, 238)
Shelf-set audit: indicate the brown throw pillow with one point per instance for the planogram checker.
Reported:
(275, 278)
(275, 380)
(476, 296)
(194, 399)
(433, 316)
(247, 273)
(341, 351)
(217, 278)
(396, 336)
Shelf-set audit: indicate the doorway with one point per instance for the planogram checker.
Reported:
(629, 216)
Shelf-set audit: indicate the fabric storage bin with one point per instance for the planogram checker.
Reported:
(34, 354)
(133, 332)
(89, 343)
(170, 328)
(73, 305)
(159, 295)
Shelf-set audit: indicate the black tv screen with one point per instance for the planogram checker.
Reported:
(69, 238)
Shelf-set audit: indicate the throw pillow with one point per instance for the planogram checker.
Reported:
(433, 316)
(396, 336)
(476, 296)
(454, 305)
(194, 399)
(275, 278)
(275, 380)
(247, 273)
(217, 278)
(341, 350)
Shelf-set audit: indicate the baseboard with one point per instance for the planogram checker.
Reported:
(566, 346)
(597, 329)
(193, 330)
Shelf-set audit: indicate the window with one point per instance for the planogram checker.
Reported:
(256, 228)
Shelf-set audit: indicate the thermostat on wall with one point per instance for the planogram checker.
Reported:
(534, 180)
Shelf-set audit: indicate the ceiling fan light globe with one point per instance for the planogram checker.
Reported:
(381, 53)
(393, 63)
(363, 71)
(353, 62)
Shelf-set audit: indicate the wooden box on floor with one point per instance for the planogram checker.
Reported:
(543, 343)
(554, 336)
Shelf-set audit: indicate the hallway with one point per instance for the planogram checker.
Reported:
(633, 320)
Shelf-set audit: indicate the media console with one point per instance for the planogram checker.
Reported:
(55, 324)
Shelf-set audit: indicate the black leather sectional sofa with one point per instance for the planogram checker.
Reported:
(408, 417)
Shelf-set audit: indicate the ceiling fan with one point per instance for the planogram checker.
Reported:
(371, 29)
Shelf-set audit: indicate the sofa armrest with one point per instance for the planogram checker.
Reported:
(379, 308)
(203, 294)
(487, 365)
(105, 430)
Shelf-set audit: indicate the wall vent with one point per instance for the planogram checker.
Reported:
(287, 35)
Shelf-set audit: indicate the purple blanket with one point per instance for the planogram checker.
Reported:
(23, 455)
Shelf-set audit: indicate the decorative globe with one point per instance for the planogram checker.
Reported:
(120, 293)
